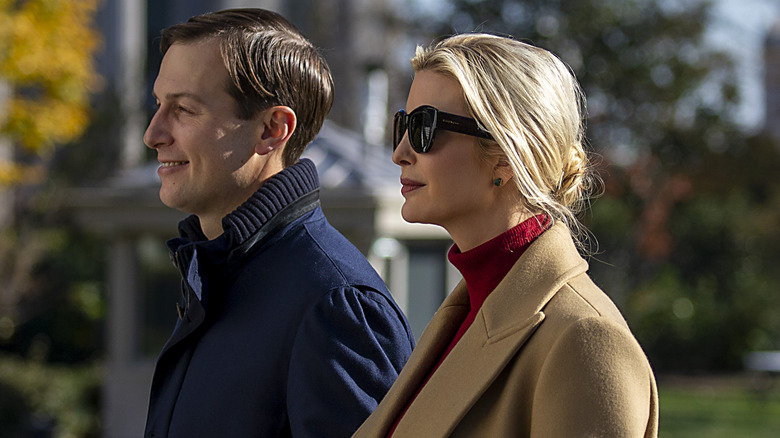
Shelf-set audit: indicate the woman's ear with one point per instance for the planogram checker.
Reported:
(277, 126)
(502, 171)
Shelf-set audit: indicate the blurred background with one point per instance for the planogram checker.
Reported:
(683, 121)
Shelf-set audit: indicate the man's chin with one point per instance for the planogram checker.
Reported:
(172, 202)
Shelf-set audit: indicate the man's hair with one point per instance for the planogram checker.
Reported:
(269, 63)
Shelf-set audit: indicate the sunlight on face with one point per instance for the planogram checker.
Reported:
(209, 166)
(451, 185)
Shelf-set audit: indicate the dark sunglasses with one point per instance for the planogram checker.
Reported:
(423, 122)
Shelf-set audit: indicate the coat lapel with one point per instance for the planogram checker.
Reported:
(461, 379)
(508, 318)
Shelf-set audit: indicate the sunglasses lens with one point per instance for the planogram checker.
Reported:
(420, 126)
(399, 127)
(421, 131)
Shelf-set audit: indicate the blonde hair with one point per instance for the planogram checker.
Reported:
(532, 104)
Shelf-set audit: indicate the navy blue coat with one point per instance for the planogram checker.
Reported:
(285, 329)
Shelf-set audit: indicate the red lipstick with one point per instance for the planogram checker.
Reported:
(410, 185)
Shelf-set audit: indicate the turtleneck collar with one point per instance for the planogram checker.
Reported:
(276, 193)
(485, 266)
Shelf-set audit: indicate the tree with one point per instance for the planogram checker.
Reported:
(671, 234)
(51, 300)
(48, 293)
(46, 61)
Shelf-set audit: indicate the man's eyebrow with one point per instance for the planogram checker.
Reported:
(181, 95)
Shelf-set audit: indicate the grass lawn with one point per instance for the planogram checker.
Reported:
(718, 407)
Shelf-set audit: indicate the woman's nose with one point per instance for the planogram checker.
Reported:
(403, 153)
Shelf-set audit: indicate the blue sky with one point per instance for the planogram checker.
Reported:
(740, 26)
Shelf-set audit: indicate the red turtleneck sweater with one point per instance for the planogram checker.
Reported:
(482, 269)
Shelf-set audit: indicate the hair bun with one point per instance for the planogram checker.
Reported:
(576, 180)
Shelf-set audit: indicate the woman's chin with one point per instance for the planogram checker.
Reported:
(410, 215)
(415, 216)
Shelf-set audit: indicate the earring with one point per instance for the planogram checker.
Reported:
(497, 182)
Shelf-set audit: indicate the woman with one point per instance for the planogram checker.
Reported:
(491, 149)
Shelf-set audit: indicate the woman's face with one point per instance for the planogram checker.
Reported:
(451, 185)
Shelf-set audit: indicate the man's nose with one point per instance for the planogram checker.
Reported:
(157, 133)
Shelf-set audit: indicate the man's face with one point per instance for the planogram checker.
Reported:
(208, 165)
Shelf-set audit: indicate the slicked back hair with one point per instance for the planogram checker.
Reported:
(269, 63)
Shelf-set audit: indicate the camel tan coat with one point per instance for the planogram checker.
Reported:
(548, 355)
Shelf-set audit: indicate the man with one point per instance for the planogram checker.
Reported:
(284, 329)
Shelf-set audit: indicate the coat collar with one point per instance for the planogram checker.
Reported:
(508, 318)
(281, 200)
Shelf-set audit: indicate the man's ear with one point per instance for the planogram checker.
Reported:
(278, 125)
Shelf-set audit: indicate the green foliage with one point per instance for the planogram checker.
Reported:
(687, 226)
(701, 285)
(36, 396)
(52, 296)
(55, 302)
(52, 299)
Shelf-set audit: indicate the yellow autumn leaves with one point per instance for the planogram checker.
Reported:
(46, 73)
